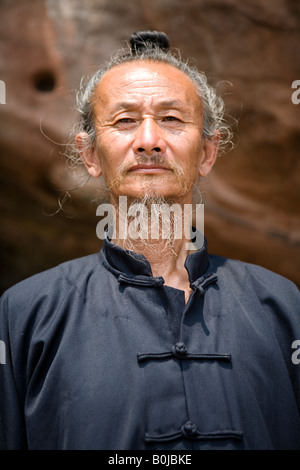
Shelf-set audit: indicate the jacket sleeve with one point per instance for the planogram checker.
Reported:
(12, 423)
(280, 299)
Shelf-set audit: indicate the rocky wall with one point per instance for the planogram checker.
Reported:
(249, 49)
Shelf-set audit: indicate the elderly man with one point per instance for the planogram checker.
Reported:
(150, 344)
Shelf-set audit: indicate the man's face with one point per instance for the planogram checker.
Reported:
(148, 122)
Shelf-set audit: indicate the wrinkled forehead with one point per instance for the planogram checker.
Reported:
(147, 79)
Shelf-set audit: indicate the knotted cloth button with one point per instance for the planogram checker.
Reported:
(159, 281)
(201, 290)
(189, 430)
(179, 350)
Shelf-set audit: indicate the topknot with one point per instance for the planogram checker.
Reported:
(143, 41)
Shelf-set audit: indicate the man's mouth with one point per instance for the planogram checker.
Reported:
(148, 168)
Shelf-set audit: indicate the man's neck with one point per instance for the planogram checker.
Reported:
(166, 252)
(165, 260)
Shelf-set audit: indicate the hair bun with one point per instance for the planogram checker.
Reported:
(141, 41)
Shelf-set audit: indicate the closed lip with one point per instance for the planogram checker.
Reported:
(142, 167)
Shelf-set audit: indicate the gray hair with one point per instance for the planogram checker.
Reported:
(213, 105)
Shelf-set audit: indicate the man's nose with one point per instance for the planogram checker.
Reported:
(149, 138)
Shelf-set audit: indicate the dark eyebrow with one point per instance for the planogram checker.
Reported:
(167, 104)
(171, 104)
(124, 105)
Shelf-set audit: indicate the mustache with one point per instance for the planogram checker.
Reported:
(155, 158)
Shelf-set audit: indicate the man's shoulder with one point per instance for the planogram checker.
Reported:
(244, 274)
(72, 273)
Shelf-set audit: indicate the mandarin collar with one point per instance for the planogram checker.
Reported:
(135, 268)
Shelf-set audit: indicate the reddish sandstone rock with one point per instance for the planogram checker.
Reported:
(252, 196)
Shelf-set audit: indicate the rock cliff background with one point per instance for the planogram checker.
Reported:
(250, 49)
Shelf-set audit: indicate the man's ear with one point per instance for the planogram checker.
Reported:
(88, 155)
(209, 154)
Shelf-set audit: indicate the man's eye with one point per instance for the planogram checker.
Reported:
(170, 118)
(124, 122)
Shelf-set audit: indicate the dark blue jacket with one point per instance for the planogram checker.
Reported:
(101, 355)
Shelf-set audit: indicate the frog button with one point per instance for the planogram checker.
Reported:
(189, 430)
(179, 350)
